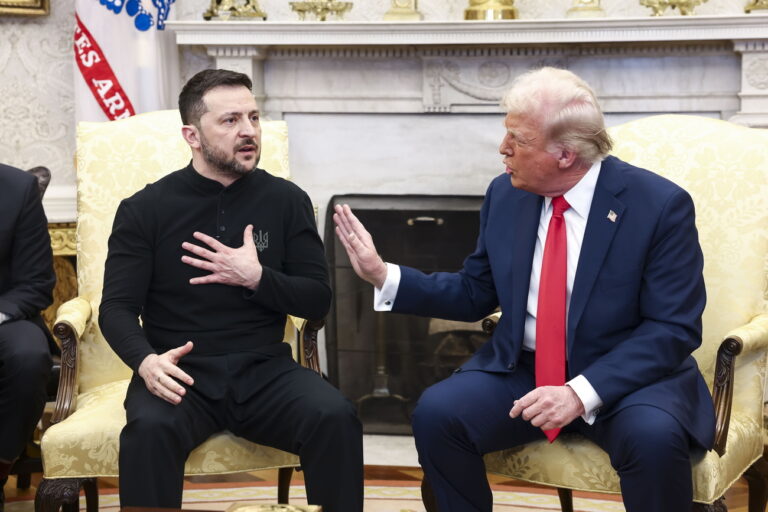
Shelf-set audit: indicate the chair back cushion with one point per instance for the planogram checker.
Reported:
(114, 160)
(725, 169)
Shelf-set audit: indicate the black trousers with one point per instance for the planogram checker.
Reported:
(267, 399)
(25, 365)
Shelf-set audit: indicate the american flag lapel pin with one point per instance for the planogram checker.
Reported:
(612, 215)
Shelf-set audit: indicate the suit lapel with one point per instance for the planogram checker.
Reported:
(598, 236)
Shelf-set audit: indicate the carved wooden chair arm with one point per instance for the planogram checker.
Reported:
(489, 322)
(753, 335)
(307, 342)
(71, 320)
(741, 341)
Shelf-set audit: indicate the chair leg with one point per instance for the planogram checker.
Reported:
(91, 495)
(60, 493)
(566, 499)
(283, 485)
(718, 506)
(757, 482)
(23, 480)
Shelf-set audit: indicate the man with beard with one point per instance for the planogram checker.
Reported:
(209, 355)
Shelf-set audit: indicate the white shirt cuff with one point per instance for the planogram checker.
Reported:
(588, 396)
(4, 317)
(384, 297)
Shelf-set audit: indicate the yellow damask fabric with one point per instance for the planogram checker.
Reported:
(725, 169)
(114, 160)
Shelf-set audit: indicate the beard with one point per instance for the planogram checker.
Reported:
(225, 164)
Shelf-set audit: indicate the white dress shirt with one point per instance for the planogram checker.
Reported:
(4, 317)
(580, 199)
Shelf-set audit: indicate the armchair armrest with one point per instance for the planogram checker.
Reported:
(71, 320)
(307, 341)
(490, 322)
(743, 340)
(753, 336)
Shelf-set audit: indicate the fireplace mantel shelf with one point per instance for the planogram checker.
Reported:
(661, 29)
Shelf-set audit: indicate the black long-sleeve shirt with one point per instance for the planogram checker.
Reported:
(144, 275)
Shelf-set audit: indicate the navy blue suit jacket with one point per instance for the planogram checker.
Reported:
(637, 299)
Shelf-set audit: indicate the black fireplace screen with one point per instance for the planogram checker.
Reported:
(383, 361)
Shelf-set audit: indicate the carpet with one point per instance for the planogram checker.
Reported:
(378, 498)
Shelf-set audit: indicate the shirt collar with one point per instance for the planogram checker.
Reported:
(580, 195)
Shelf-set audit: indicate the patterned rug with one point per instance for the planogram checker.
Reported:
(378, 498)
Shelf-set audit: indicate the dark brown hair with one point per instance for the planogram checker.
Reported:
(191, 104)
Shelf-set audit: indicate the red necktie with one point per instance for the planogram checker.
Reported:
(550, 317)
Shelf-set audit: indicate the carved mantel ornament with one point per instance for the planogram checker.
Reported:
(490, 10)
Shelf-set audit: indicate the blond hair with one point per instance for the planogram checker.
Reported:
(565, 107)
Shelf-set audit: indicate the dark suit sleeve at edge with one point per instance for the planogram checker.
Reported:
(31, 269)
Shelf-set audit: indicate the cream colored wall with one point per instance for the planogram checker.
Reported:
(36, 91)
(37, 69)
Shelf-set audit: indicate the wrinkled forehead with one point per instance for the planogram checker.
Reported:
(229, 99)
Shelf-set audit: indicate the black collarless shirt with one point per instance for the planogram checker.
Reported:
(145, 278)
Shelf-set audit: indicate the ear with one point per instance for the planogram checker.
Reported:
(566, 158)
(191, 135)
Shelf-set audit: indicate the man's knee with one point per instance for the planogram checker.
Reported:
(434, 413)
(154, 429)
(655, 441)
(29, 362)
(335, 413)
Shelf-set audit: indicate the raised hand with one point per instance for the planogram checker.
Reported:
(359, 246)
(160, 374)
(227, 265)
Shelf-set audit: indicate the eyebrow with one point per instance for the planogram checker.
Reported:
(238, 114)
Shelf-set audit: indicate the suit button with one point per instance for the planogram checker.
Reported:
(511, 366)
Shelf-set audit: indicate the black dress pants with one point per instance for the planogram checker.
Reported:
(25, 365)
(267, 399)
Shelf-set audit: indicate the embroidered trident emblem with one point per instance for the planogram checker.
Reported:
(261, 240)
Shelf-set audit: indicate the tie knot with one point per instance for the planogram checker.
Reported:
(559, 205)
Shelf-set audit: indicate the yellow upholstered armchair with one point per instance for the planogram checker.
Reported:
(725, 169)
(114, 160)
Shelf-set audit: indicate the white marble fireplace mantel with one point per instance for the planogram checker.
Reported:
(602, 30)
(715, 65)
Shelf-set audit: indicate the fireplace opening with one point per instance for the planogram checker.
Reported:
(383, 361)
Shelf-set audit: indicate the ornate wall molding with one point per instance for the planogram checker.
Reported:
(354, 34)
(430, 67)
(757, 73)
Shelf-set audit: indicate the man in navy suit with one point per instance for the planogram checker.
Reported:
(26, 288)
(634, 295)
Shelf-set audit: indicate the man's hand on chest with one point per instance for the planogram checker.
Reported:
(227, 265)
